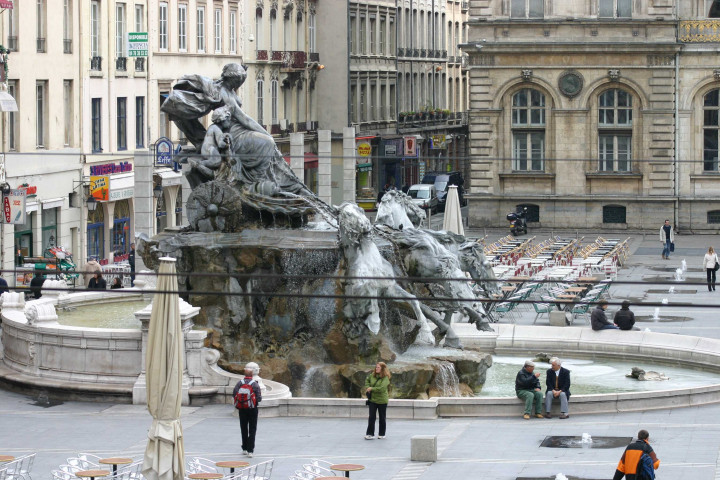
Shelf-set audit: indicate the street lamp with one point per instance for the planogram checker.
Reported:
(92, 204)
(157, 191)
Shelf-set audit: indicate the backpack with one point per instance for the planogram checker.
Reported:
(645, 469)
(245, 397)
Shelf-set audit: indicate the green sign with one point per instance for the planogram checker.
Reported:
(137, 44)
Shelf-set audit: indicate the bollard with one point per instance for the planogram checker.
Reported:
(423, 448)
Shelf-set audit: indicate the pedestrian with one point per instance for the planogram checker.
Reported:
(631, 459)
(527, 388)
(382, 193)
(405, 188)
(625, 318)
(115, 283)
(36, 284)
(247, 395)
(711, 264)
(598, 319)
(91, 267)
(97, 282)
(3, 286)
(557, 382)
(131, 262)
(376, 389)
(667, 238)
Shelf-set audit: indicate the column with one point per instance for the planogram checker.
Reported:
(349, 164)
(170, 204)
(38, 247)
(297, 155)
(108, 234)
(8, 252)
(324, 165)
(144, 200)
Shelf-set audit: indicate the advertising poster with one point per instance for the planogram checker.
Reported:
(14, 207)
(100, 188)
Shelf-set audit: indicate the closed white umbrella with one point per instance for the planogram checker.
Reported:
(164, 361)
(453, 216)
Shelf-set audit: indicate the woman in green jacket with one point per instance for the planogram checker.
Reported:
(376, 389)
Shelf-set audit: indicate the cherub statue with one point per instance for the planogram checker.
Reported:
(216, 145)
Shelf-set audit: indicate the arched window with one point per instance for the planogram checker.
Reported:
(614, 214)
(528, 130)
(615, 131)
(260, 101)
(713, 8)
(259, 40)
(711, 130)
(274, 101)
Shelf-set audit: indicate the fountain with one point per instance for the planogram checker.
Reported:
(656, 314)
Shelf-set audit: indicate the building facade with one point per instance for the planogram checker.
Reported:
(593, 113)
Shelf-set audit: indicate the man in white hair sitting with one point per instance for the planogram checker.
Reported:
(558, 387)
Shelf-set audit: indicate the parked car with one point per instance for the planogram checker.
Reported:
(441, 181)
(424, 196)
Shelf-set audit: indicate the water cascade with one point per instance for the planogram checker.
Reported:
(656, 314)
(586, 439)
(446, 379)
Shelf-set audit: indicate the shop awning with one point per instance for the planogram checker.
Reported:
(364, 167)
(311, 160)
(168, 176)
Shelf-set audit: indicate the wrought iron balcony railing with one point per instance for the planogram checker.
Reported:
(699, 31)
(139, 64)
(40, 45)
(96, 63)
(121, 64)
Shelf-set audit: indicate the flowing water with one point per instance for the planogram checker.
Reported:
(446, 379)
(102, 315)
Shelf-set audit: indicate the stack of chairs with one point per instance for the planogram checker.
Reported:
(18, 469)
(200, 465)
(87, 461)
(315, 469)
(259, 471)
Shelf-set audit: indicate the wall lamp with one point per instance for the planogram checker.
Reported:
(91, 201)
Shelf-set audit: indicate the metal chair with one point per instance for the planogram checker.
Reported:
(260, 471)
(200, 465)
(542, 308)
(19, 468)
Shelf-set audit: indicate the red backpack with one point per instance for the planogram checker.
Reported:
(245, 397)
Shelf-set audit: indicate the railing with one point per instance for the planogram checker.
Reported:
(67, 45)
(261, 55)
(139, 64)
(699, 31)
(40, 45)
(276, 56)
(12, 44)
(401, 52)
(96, 63)
(121, 64)
(294, 59)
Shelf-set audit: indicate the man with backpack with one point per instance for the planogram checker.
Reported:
(247, 396)
(639, 461)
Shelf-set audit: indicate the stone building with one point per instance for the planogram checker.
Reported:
(576, 109)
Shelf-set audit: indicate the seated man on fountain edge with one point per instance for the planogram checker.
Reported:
(558, 386)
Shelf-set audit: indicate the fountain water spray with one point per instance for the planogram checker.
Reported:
(586, 438)
(679, 275)
(560, 476)
(684, 265)
(656, 315)
(671, 290)
(664, 301)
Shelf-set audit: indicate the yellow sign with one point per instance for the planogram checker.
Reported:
(100, 188)
(364, 149)
(438, 142)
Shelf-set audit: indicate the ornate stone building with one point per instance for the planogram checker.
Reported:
(576, 109)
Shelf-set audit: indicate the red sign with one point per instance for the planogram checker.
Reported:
(410, 146)
(28, 189)
(6, 4)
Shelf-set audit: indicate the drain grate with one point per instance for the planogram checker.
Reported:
(561, 441)
(663, 318)
(676, 292)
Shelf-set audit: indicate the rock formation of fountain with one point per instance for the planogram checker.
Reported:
(317, 306)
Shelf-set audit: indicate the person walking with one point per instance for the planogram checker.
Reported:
(247, 394)
(131, 262)
(376, 390)
(527, 388)
(598, 319)
(667, 237)
(625, 318)
(631, 461)
(710, 264)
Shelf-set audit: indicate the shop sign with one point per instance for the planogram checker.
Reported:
(410, 146)
(364, 149)
(421, 169)
(390, 150)
(137, 44)
(99, 188)
(364, 167)
(110, 168)
(29, 190)
(438, 142)
(6, 3)
(121, 194)
(164, 151)
(14, 207)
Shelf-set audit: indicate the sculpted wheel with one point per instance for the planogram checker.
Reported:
(214, 207)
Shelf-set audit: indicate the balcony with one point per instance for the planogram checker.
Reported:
(67, 45)
(401, 52)
(423, 53)
(699, 31)
(40, 45)
(121, 64)
(96, 64)
(139, 64)
(12, 44)
(276, 56)
(314, 57)
(261, 55)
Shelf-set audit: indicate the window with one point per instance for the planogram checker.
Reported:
(713, 216)
(122, 123)
(218, 30)
(383, 102)
(139, 122)
(259, 40)
(457, 38)
(615, 131)
(163, 118)
(12, 118)
(95, 236)
(353, 32)
(527, 8)
(260, 101)
(97, 125)
(528, 129)
(300, 33)
(614, 8)
(233, 31)
(614, 214)
(201, 29)
(67, 23)
(383, 33)
(163, 26)
(120, 30)
(273, 30)
(287, 35)
(41, 113)
(532, 212)
(363, 35)
(712, 7)
(363, 102)
(274, 101)
(68, 112)
(711, 130)
(311, 32)
(41, 20)
(373, 33)
(182, 27)
(373, 102)
(94, 29)
(391, 37)
(13, 25)
(392, 100)
(139, 18)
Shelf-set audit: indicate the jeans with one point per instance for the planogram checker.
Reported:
(711, 279)
(609, 327)
(381, 409)
(563, 402)
(530, 397)
(666, 249)
(248, 427)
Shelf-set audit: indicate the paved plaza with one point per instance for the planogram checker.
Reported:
(687, 440)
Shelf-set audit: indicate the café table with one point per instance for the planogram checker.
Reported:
(92, 474)
(115, 461)
(575, 289)
(232, 465)
(347, 468)
(6, 458)
(206, 476)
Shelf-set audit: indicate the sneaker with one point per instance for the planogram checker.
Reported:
(245, 452)
(250, 454)
(368, 437)
(564, 416)
(526, 416)
(539, 415)
(380, 437)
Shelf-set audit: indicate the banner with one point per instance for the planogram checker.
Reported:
(14, 207)
(137, 44)
(100, 188)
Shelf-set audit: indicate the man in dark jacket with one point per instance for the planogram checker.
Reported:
(249, 413)
(527, 388)
(627, 467)
(557, 382)
(36, 284)
(625, 318)
(598, 319)
(131, 262)
(3, 286)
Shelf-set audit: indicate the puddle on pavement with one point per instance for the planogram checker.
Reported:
(663, 318)
(671, 280)
(44, 401)
(561, 441)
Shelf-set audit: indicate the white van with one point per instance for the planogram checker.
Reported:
(424, 196)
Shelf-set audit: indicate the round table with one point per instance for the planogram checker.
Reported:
(232, 465)
(6, 458)
(115, 461)
(347, 468)
(206, 476)
(330, 478)
(92, 474)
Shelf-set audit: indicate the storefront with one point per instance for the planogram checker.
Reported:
(365, 191)
(121, 239)
(168, 196)
(95, 234)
